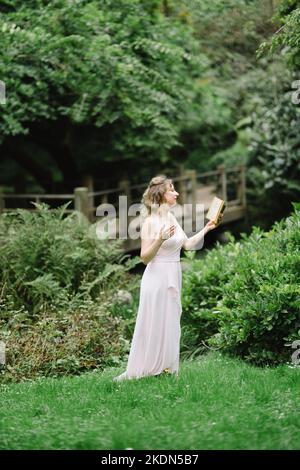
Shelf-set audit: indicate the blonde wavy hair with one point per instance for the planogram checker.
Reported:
(153, 197)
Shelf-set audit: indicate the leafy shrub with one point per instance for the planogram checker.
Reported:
(57, 287)
(61, 342)
(247, 294)
(127, 312)
(259, 311)
(202, 288)
(49, 260)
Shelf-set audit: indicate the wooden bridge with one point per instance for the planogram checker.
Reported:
(193, 188)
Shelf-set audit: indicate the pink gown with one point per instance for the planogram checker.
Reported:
(156, 340)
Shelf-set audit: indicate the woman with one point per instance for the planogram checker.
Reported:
(156, 339)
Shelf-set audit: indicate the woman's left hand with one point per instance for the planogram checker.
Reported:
(211, 224)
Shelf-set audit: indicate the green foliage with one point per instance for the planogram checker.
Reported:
(274, 156)
(107, 64)
(125, 311)
(286, 40)
(202, 288)
(273, 121)
(49, 260)
(248, 293)
(202, 140)
(57, 288)
(56, 343)
(229, 30)
(267, 141)
(229, 33)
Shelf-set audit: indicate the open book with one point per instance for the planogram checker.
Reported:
(216, 208)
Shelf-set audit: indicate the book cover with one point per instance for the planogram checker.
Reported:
(216, 208)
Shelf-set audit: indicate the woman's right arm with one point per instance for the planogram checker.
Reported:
(150, 246)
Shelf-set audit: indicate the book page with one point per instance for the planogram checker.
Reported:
(215, 209)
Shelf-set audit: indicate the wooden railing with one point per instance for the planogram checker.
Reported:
(229, 184)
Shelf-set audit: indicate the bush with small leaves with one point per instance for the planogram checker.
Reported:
(244, 297)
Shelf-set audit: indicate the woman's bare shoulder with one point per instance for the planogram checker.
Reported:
(149, 220)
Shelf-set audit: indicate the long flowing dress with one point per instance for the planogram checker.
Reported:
(156, 340)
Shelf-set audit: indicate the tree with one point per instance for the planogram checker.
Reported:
(229, 33)
(112, 75)
(287, 37)
(274, 137)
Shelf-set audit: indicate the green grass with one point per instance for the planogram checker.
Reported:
(216, 403)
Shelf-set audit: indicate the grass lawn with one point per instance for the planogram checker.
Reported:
(216, 403)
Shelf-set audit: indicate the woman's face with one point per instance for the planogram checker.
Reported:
(171, 195)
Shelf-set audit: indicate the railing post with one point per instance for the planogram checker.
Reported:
(82, 201)
(223, 182)
(88, 182)
(104, 198)
(242, 186)
(2, 202)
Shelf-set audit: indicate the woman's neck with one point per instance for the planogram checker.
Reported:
(161, 213)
